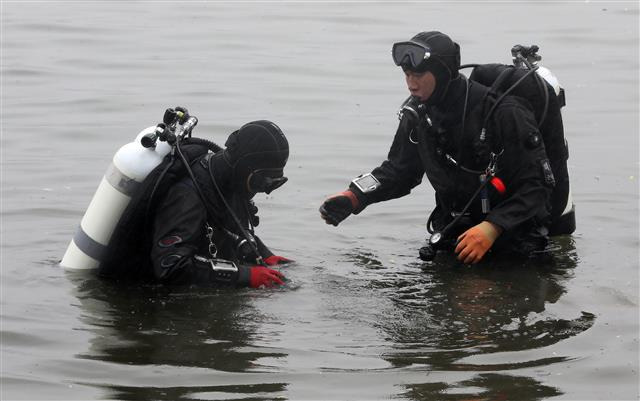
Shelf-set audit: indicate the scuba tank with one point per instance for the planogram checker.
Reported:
(130, 166)
(527, 79)
(111, 234)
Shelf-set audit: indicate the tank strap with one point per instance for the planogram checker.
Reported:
(88, 245)
(120, 181)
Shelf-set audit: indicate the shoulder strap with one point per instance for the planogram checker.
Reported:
(496, 87)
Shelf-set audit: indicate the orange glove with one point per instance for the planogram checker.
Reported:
(476, 241)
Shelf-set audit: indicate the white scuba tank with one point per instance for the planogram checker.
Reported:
(130, 166)
(552, 80)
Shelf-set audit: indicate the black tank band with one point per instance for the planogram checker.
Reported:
(120, 181)
(88, 245)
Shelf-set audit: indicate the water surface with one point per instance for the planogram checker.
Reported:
(363, 318)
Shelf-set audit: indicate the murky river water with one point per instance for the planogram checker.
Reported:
(363, 317)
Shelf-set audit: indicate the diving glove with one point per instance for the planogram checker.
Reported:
(338, 207)
(260, 276)
(474, 243)
(276, 260)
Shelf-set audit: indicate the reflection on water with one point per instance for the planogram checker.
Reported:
(254, 391)
(484, 387)
(450, 317)
(156, 326)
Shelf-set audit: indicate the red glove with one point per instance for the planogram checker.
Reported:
(275, 260)
(260, 276)
(476, 241)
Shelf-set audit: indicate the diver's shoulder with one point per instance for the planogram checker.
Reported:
(512, 103)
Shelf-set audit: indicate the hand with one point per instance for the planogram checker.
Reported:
(260, 276)
(476, 241)
(338, 207)
(276, 260)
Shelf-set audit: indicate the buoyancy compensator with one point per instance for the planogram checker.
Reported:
(539, 86)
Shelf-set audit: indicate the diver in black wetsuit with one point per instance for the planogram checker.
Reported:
(199, 227)
(492, 186)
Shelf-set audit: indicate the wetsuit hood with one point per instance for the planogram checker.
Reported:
(257, 154)
(443, 63)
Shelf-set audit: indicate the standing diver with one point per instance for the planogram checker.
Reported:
(483, 154)
(193, 222)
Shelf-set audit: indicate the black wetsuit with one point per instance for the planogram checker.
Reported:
(522, 212)
(179, 230)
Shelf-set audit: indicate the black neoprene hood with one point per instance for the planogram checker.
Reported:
(443, 63)
(256, 145)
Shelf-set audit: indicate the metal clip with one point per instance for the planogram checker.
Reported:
(484, 194)
(483, 135)
(493, 162)
(213, 250)
(413, 141)
(451, 160)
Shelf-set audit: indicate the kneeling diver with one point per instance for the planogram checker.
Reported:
(199, 227)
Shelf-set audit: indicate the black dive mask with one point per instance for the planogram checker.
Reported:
(430, 51)
(266, 180)
(410, 55)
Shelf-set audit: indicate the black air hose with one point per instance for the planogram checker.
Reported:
(212, 146)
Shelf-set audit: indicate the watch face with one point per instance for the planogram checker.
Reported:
(224, 265)
(367, 183)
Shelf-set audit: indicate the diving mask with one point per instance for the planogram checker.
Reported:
(410, 55)
(266, 180)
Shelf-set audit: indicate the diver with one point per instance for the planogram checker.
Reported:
(196, 218)
(484, 155)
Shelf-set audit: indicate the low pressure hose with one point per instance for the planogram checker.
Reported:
(212, 146)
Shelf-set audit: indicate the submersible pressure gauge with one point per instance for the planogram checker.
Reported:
(435, 238)
(428, 252)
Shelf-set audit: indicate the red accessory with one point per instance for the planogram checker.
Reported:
(169, 241)
(261, 276)
(275, 260)
(498, 185)
(352, 197)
